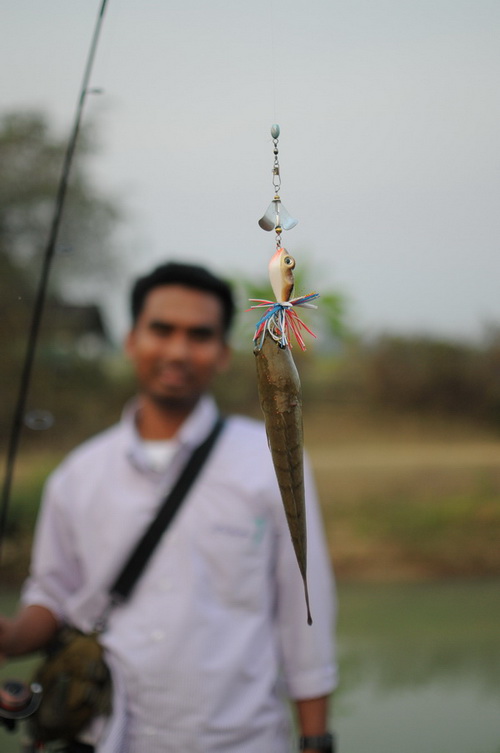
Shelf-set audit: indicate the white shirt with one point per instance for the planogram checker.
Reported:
(216, 627)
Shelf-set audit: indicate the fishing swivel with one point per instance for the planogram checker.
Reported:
(276, 216)
(280, 319)
(275, 132)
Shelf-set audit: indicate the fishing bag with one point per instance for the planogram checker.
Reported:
(76, 684)
(75, 678)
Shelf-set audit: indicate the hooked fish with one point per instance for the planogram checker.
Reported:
(281, 401)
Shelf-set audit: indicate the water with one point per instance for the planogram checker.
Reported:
(420, 669)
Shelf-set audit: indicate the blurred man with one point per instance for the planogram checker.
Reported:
(214, 636)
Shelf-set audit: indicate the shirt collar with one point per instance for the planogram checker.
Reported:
(191, 433)
(199, 423)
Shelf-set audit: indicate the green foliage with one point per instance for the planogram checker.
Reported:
(31, 157)
(424, 374)
(83, 396)
(27, 491)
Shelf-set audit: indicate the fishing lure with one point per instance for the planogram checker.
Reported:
(277, 377)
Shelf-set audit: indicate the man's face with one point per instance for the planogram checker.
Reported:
(177, 345)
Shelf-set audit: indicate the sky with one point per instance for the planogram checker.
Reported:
(390, 120)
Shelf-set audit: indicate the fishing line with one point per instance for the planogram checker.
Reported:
(41, 293)
(274, 56)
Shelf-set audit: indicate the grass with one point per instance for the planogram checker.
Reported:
(31, 471)
(450, 536)
(404, 497)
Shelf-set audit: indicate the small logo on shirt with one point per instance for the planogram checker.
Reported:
(256, 535)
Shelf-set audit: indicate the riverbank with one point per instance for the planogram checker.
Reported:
(407, 497)
(404, 497)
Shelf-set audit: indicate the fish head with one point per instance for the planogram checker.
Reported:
(281, 269)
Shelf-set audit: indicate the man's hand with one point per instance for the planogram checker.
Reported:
(313, 718)
(29, 631)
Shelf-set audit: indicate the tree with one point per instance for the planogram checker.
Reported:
(31, 158)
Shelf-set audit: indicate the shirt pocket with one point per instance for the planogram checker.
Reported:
(234, 562)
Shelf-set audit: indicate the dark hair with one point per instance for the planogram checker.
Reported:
(190, 275)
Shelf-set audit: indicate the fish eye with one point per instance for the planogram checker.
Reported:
(289, 261)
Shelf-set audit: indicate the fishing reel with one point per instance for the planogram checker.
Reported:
(18, 701)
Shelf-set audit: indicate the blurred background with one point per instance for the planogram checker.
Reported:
(389, 115)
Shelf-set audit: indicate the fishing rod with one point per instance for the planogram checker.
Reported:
(41, 293)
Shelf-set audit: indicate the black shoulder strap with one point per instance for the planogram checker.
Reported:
(124, 583)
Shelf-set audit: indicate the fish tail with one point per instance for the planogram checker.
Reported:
(306, 592)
